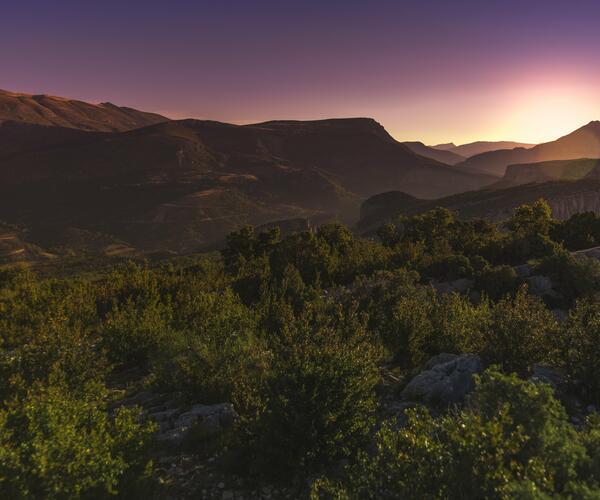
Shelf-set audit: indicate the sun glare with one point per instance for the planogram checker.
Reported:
(547, 114)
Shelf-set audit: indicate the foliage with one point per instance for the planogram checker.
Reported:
(315, 405)
(580, 348)
(514, 437)
(213, 345)
(575, 277)
(518, 333)
(497, 282)
(55, 445)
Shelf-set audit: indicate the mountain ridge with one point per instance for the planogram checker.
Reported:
(583, 142)
(43, 109)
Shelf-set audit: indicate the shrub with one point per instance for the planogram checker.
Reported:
(56, 348)
(575, 277)
(496, 282)
(580, 348)
(450, 268)
(315, 405)
(520, 331)
(132, 331)
(213, 345)
(425, 324)
(514, 437)
(54, 445)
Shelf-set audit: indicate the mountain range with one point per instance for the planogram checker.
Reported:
(103, 179)
(582, 143)
(60, 112)
(570, 186)
(478, 147)
(103, 173)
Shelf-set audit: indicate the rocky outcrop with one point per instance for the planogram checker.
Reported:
(462, 285)
(206, 421)
(447, 379)
(176, 420)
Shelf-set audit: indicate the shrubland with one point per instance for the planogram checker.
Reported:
(295, 331)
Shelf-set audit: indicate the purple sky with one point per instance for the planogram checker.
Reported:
(428, 70)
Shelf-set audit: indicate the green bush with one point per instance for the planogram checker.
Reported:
(424, 324)
(579, 352)
(496, 282)
(214, 344)
(56, 348)
(316, 403)
(28, 304)
(520, 331)
(514, 439)
(575, 277)
(132, 331)
(57, 446)
(450, 267)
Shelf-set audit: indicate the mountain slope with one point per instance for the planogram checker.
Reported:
(440, 155)
(475, 148)
(564, 197)
(582, 143)
(556, 170)
(60, 112)
(183, 185)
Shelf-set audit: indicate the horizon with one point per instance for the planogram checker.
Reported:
(429, 72)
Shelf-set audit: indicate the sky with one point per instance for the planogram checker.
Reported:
(428, 70)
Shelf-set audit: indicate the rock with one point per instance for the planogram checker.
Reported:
(227, 495)
(461, 285)
(439, 359)
(560, 315)
(474, 296)
(208, 420)
(547, 375)
(540, 285)
(446, 382)
(524, 270)
(163, 416)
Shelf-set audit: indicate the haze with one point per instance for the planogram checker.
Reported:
(433, 71)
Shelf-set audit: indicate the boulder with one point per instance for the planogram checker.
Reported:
(540, 285)
(207, 420)
(524, 270)
(461, 285)
(440, 359)
(547, 375)
(447, 380)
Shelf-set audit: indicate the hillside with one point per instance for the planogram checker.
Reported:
(61, 112)
(564, 197)
(582, 143)
(183, 185)
(437, 154)
(567, 170)
(478, 147)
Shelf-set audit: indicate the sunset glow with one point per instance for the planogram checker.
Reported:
(428, 71)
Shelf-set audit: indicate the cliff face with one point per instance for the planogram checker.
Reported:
(564, 207)
(564, 197)
(557, 170)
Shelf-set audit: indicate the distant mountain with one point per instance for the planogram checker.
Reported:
(582, 143)
(570, 186)
(68, 113)
(556, 170)
(442, 156)
(475, 148)
(182, 185)
(565, 198)
(447, 146)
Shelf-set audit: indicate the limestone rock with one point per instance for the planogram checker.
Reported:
(447, 380)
